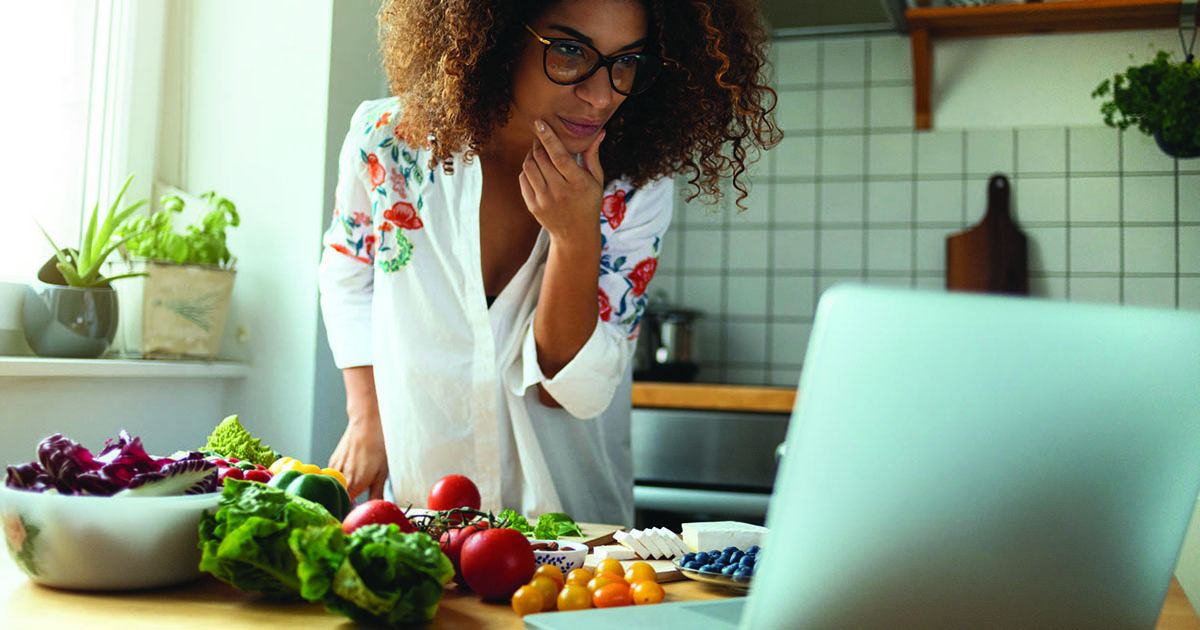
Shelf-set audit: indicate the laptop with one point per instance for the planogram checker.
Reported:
(971, 461)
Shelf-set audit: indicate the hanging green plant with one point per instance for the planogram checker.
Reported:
(1161, 98)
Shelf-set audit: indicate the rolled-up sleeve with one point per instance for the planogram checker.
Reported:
(345, 276)
(632, 231)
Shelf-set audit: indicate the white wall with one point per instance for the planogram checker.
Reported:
(247, 117)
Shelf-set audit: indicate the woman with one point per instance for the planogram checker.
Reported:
(497, 223)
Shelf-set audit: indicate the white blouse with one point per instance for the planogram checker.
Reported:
(402, 289)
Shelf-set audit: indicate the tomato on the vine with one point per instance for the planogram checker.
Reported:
(495, 562)
(452, 542)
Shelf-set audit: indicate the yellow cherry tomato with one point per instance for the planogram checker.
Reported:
(309, 468)
(548, 589)
(277, 466)
(574, 597)
(611, 595)
(552, 572)
(526, 600)
(640, 571)
(608, 565)
(646, 592)
(336, 474)
(579, 576)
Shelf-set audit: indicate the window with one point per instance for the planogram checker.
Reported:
(75, 73)
(47, 53)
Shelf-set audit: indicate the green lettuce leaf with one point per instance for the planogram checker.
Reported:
(245, 543)
(384, 576)
(515, 521)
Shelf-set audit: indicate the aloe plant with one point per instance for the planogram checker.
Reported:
(81, 267)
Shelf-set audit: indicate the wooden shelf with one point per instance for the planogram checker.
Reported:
(714, 397)
(1073, 16)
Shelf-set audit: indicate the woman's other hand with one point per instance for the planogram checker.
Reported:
(563, 195)
(360, 454)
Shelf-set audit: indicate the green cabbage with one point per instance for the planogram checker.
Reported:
(231, 439)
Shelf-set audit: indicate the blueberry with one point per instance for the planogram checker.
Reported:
(736, 556)
(688, 557)
(743, 574)
(753, 549)
(703, 557)
(729, 569)
(729, 548)
(709, 568)
(690, 564)
(746, 561)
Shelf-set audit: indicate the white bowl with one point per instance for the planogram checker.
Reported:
(570, 556)
(104, 543)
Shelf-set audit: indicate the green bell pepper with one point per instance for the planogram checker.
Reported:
(317, 488)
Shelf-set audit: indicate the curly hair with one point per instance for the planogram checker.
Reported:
(450, 62)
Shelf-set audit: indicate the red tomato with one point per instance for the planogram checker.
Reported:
(452, 542)
(496, 562)
(453, 491)
(376, 511)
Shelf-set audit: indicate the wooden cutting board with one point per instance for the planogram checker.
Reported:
(992, 256)
(594, 534)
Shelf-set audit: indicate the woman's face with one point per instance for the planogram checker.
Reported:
(575, 112)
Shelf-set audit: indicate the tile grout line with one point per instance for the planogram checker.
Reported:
(1067, 208)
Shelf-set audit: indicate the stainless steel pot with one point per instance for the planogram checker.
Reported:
(665, 348)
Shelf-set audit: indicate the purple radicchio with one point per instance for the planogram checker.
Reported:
(69, 468)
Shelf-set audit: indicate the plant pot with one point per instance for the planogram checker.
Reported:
(174, 312)
(62, 321)
(1175, 151)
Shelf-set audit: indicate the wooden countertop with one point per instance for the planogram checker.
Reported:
(206, 604)
(714, 397)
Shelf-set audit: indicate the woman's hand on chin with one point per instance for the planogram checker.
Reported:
(562, 194)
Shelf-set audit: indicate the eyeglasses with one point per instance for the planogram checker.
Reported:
(568, 62)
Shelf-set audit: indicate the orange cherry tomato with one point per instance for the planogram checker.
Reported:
(603, 580)
(574, 597)
(552, 572)
(608, 565)
(640, 571)
(579, 576)
(611, 595)
(548, 589)
(526, 600)
(646, 592)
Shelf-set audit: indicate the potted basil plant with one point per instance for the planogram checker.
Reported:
(70, 309)
(177, 310)
(1160, 98)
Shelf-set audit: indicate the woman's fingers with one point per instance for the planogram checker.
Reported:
(558, 156)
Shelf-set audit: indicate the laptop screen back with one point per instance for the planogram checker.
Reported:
(967, 461)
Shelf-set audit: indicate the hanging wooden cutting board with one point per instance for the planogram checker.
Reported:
(992, 256)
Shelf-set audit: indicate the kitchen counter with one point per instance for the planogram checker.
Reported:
(207, 603)
(713, 397)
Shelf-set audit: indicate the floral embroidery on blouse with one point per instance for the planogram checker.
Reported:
(624, 309)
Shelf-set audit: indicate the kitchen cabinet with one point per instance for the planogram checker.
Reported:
(926, 25)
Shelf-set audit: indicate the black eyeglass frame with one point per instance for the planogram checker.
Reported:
(654, 63)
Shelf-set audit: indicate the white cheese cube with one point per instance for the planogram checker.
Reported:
(627, 539)
(721, 534)
(660, 548)
(614, 552)
(673, 542)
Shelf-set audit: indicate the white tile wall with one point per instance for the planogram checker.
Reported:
(853, 194)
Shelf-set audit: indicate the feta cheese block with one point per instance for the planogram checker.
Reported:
(627, 539)
(614, 552)
(711, 535)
